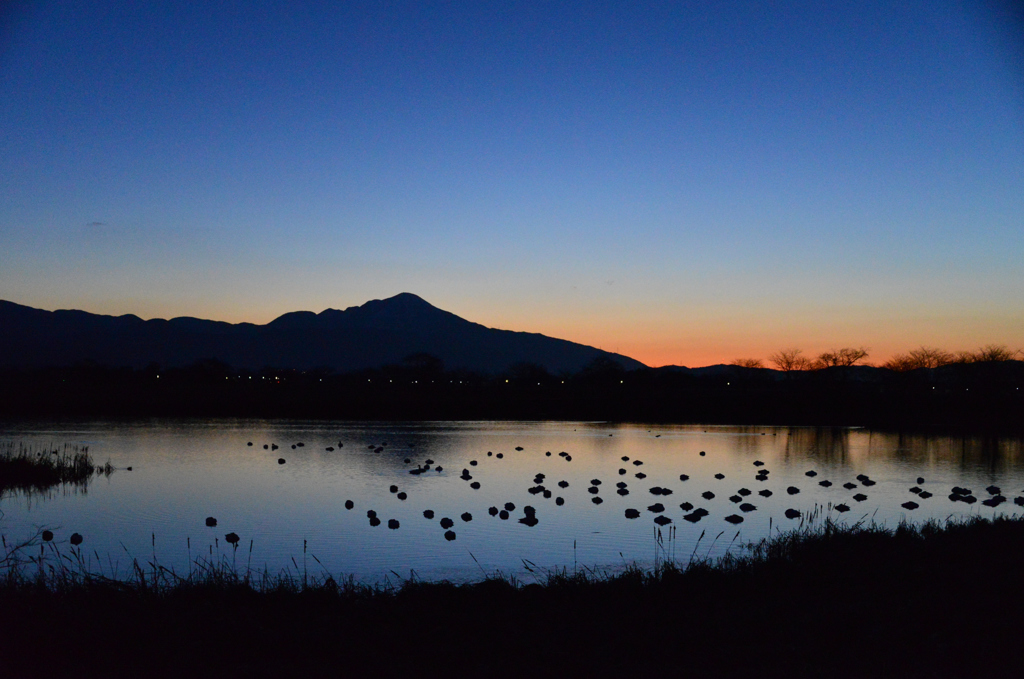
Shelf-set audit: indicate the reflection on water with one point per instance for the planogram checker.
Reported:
(184, 472)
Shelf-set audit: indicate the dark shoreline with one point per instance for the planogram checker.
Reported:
(925, 601)
(980, 397)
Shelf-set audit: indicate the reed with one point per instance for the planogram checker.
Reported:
(33, 469)
(38, 561)
(825, 599)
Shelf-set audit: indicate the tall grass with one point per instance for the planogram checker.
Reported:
(37, 469)
(825, 599)
(40, 562)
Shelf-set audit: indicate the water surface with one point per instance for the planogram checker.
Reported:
(183, 472)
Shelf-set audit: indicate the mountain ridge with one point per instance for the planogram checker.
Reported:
(377, 333)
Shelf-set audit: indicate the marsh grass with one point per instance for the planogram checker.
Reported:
(38, 469)
(58, 566)
(827, 598)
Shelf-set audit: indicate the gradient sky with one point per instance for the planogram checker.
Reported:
(682, 182)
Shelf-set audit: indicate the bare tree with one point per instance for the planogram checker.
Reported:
(929, 357)
(993, 352)
(922, 357)
(748, 362)
(899, 363)
(840, 357)
(964, 356)
(788, 360)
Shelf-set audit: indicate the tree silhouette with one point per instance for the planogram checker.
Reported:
(930, 357)
(788, 360)
(840, 357)
(992, 352)
(922, 357)
(748, 362)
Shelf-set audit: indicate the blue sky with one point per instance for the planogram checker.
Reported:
(683, 182)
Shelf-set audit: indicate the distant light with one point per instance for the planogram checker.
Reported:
(506, 382)
(621, 382)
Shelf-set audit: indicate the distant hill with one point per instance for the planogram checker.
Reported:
(376, 334)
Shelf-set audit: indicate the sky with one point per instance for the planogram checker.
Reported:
(683, 182)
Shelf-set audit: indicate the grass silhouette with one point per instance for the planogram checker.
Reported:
(825, 599)
(35, 469)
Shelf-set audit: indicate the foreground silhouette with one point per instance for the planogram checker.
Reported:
(829, 600)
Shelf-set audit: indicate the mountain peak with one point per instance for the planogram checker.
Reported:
(403, 301)
(404, 307)
(406, 298)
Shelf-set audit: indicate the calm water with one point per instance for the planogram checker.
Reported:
(183, 472)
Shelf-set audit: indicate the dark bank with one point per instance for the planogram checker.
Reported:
(827, 600)
(976, 396)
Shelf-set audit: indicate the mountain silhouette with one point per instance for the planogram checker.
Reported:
(376, 334)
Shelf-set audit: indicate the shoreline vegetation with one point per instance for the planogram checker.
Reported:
(825, 599)
(792, 359)
(32, 470)
(927, 388)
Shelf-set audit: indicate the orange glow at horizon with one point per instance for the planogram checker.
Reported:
(704, 344)
(699, 337)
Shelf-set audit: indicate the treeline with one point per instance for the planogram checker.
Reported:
(976, 395)
(789, 360)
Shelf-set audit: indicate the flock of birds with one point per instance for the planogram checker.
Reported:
(692, 514)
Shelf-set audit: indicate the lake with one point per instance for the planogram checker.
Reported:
(185, 471)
